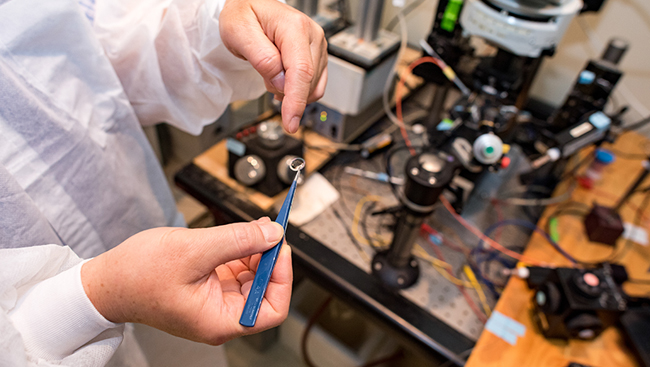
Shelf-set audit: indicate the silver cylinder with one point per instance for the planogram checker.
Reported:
(370, 12)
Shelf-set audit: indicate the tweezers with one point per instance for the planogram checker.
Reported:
(269, 257)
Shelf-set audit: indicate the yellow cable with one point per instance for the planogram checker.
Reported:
(357, 218)
(481, 295)
(440, 266)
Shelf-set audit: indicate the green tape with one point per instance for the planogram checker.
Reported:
(552, 228)
(450, 16)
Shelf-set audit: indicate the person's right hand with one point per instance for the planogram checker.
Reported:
(284, 45)
(191, 283)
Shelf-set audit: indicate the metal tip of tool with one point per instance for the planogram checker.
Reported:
(297, 164)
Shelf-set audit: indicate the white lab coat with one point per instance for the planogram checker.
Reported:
(76, 81)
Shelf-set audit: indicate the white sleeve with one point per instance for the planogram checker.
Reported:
(171, 61)
(45, 309)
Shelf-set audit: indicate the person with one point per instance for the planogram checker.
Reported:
(78, 177)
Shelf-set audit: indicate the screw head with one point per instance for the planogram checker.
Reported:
(378, 266)
(432, 180)
(400, 280)
(415, 171)
(586, 334)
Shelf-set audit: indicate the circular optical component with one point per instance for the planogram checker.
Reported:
(287, 172)
(587, 284)
(488, 149)
(270, 134)
(431, 163)
(591, 279)
(250, 170)
(297, 164)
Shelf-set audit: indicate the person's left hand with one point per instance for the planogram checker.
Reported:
(284, 45)
(191, 283)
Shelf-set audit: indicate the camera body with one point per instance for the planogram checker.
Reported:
(577, 303)
(259, 157)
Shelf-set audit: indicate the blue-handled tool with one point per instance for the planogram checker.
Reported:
(267, 262)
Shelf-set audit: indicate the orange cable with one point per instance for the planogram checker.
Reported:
(398, 96)
(495, 245)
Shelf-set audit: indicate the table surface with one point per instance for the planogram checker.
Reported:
(516, 301)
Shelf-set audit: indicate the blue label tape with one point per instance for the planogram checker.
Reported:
(505, 327)
(235, 146)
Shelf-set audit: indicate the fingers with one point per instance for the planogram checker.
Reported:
(274, 38)
(302, 56)
(211, 247)
(255, 46)
(277, 298)
(319, 91)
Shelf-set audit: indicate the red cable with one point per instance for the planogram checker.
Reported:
(427, 228)
(462, 289)
(495, 245)
(398, 96)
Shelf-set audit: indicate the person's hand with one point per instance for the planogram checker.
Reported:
(191, 283)
(284, 45)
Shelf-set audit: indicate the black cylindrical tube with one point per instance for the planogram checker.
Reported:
(406, 232)
(635, 185)
(426, 176)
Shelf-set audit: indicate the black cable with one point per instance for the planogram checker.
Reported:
(628, 156)
(618, 254)
(387, 161)
(639, 281)
(305, 334)
(310, 324)
(637, 125)
(406, 11)
(575, 168)
(562, 212)
(637, 222)
(347, 230)
(337, 182)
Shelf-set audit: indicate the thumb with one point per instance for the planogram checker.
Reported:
(219, 245)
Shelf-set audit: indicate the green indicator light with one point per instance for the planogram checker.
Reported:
(489, 150)
(323, 116)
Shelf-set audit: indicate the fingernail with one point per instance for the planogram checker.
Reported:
(294, 123)
(264, 220)
(272, 231)
(278, 82)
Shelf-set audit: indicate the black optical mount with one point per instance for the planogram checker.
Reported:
(427, 174)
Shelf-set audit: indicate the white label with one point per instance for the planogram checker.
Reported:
(636, 234)
(581, 129)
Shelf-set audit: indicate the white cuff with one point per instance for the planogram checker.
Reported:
(55, 317)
